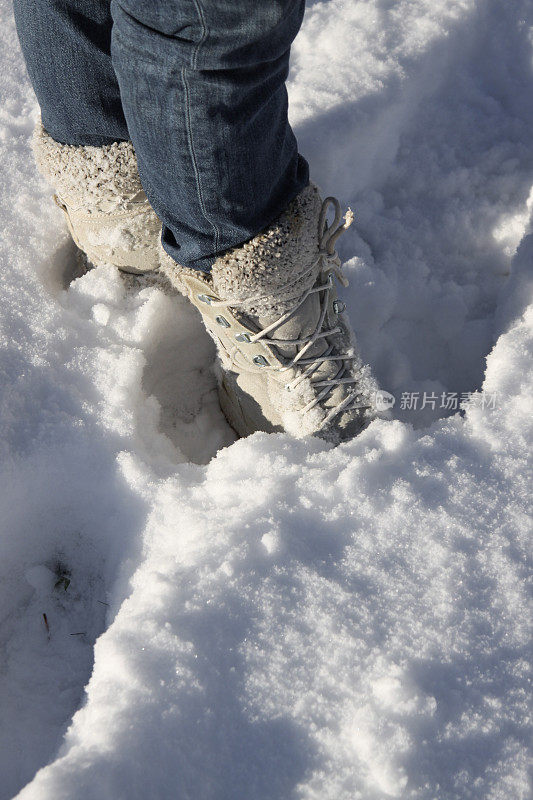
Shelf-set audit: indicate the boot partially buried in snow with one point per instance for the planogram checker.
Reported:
(107, 212)
(286, 351)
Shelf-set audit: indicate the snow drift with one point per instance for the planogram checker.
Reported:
(268, 618)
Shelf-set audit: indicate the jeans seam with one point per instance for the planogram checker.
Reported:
(195, 161)
(192, 151)
(203, 36)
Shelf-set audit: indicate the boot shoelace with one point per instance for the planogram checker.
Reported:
(329, 265)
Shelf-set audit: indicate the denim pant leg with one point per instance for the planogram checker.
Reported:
(203, 90)
(66, 46)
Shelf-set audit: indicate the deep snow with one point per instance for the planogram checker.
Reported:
(274, 619)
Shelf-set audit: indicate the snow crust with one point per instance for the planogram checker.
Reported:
(268, 618)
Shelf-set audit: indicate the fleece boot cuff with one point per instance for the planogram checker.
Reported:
(100, 192)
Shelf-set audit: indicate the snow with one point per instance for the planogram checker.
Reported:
(271, 618)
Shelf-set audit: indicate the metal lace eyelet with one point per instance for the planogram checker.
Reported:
(260, 361)
(223, 321)
(243, 337)
(206, 298)
(339, 306)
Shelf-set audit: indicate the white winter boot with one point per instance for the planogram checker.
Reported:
(107, 211)
(287, 357)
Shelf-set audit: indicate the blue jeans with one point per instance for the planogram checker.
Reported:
(199, 88)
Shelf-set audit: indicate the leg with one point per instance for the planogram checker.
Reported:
(83, 146)
(66, 46)
(203, 90)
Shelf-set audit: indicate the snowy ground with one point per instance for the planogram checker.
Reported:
(270, 619)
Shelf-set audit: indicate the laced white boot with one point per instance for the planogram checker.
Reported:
(287, 356)
(99, 191)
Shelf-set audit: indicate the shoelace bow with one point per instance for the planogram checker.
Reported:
(329, 265)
